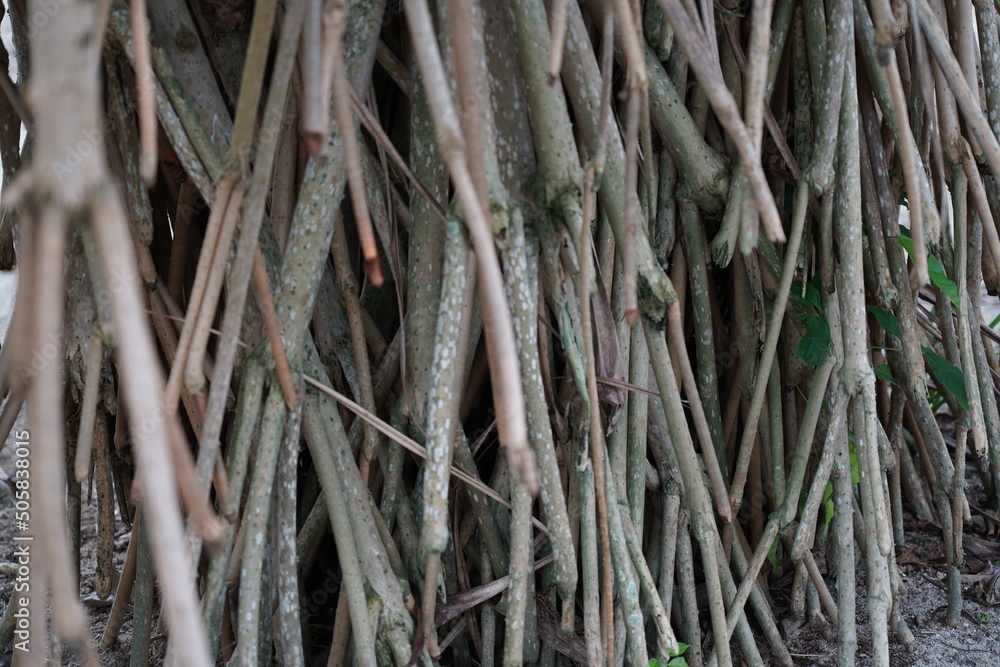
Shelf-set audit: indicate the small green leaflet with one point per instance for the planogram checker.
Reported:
(934, 270)
(882, 372)
(811, 298)
(947, 375)
(855, 473)
(828, 504)
(886, 319)
(675, 658)
(772, 554)
(813, 345)
(936, 399)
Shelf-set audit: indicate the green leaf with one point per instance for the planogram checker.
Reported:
(939, 278)
(886, 319)
(772, 555)
(935, 398)
(675, 657)
(813, 346)
(799, 299)
(883, 372)
(811, 299)
(828, 505)
(934, 270)
(947, 375)
(813, 295)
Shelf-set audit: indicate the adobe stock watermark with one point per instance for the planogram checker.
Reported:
(323, 595)
(77, 155)
(22, 542)
(41, 13)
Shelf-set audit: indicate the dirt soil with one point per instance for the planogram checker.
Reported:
(974, 643)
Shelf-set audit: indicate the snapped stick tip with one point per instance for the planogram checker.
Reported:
(374, 270)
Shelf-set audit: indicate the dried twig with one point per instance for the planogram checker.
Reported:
(144, 90)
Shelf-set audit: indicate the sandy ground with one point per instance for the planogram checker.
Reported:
(974, 643)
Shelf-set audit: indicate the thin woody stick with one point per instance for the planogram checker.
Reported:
(770, 347)
(145, 93)
(192, 495)
(123, 592)
(597, 446)
(194, 376)
(239, 284)
(558, 40)
(315, 122)
(500, 344)
(352, 151)
(722, 501)
(47, 513)
(441, 417)
(237, 167)
(907, 151)
(754, 103)
(173, 389)
(372, 124)
(251, 85)
(632, 43)
(282, 368)
(88, 410)
(143, 384)
(629, 270)
(468, 74)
